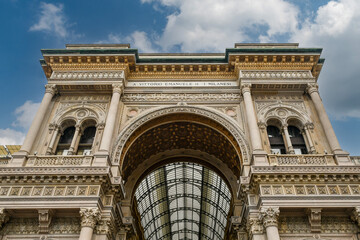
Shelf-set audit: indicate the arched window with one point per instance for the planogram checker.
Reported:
(297, 140)
(65, 141)
(276, 140)
(86, 141)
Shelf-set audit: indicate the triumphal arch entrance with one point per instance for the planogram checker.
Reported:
(233, 145)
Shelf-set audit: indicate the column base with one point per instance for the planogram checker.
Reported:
(19, 159)
(342, 157)
(259, 158)
(101, 159)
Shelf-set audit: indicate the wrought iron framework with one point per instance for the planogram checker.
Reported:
(183, 201)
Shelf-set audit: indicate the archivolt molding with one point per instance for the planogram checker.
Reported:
(226, 121)
(282, 112)
(80, 112)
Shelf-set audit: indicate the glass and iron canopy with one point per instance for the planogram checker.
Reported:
(183, 200)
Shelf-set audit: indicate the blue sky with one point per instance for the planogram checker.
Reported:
(179, 26)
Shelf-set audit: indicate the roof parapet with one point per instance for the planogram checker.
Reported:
(97, 46)
(266, 45)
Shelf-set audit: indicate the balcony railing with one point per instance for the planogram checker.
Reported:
(54, 160)
(306, 159)
(355, 159)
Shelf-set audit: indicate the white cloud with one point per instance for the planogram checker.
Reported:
(212, 25)
(137, 39)
(52, 20)
(25, 114)
(11, 137)
(336, 29)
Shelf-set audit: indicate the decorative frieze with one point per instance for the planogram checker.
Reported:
(309, 190)
(276, 75)
(86, 75)
(50, 191)
(65, 225)
(182, 97)
(294, 225)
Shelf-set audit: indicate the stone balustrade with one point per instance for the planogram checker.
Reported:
(306, 159)
(355, 159)
(4, 161)
(54, 160)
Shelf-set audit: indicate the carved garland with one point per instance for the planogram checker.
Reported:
(224, 120)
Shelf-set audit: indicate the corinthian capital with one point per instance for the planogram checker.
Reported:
(50, 88)
(89, 217)
(254, 226)
(312, 87)
(118, 88)
(356, 215)
(245, 88)
(269, 216)
(4, 217)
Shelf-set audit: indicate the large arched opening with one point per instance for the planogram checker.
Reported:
(188, 142)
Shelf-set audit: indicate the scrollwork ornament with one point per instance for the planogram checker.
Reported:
(269, 216)
(89, 217)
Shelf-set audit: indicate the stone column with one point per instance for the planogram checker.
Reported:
(74, 141)
(341, 156)
(290, 148)
(54, 136)
(20, 157)
(312, 89)
(269, 217)
(307, 136)
(89, 218)
(111, 117)
(255, 229)
(259, 156)
(251, 118)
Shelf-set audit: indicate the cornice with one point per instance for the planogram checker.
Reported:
(178, 66)
(6, 171)
(304, 170)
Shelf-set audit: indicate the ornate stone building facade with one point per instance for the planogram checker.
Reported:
(180, 146)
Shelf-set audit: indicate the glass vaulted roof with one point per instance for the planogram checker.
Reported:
(183, 201)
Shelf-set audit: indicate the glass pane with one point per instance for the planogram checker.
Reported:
(183, 201)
